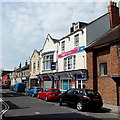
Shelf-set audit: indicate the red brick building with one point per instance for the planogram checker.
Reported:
(103, 62)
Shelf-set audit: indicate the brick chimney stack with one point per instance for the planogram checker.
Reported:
(114, 14)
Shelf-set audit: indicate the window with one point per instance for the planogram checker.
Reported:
(63, 46)
(76, 26)
(38, 65)
(69, 62)
(103, 69)
(47, 59)
(76, 40)
(33, 66)
(119, 49)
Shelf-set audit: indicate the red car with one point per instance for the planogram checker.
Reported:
(5, 86)
(49, 94)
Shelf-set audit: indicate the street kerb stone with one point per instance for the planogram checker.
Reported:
(118, 112)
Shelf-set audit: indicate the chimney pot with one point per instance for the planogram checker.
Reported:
(73, 24)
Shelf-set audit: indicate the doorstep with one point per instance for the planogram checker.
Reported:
(112, 108)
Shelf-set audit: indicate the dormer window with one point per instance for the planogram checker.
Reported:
(76, 26)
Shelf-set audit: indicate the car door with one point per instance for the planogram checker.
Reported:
(76, 95)
(67, 96)
(30, 91)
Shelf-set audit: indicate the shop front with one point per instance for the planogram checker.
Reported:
(33, 81)
(72, 79)
(25, 80)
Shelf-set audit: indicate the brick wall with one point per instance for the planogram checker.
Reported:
(106, 86)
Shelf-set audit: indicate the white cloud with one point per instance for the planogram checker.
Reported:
(26, 24)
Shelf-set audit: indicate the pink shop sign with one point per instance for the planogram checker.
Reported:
(68, 53)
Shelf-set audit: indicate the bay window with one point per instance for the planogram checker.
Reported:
(47, 59)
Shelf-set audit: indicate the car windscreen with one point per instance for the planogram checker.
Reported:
(54, 91)
(91, 92)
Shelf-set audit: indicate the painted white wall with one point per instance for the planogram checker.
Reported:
(34, 59)
(90, 33)
(49, 46)
(69, 45)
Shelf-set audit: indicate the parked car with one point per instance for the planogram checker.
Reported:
(19, 87)
(49, 94)
(5, 86)
(81, 98)
(33, 91)
(11, 87)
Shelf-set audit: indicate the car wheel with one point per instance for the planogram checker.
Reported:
(46, 98)
(26, 94)
(61, 100)
(38, 97)
(33, 95)
(79, 106)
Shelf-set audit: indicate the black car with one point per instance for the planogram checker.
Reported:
(81, 98)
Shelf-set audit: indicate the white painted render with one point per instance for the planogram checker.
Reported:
(90, 33)
(49, 47)
(34, 59)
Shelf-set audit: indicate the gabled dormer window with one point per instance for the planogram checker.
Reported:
(76, 26)
(63, 46)
(76, 40)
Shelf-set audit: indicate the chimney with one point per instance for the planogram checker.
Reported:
(72, 28)
(73, 24)
(20, 65)
(114, 14)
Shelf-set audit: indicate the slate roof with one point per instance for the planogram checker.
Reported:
(112, 36)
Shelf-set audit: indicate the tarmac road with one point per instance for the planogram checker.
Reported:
(27, 108)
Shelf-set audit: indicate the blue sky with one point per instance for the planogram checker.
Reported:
(25, 25)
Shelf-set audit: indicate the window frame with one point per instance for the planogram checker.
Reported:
(47, 59)
(69, 62)
(76, 40)
(104, 69)
(63, 46)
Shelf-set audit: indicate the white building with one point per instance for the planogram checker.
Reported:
(72, 69)
(63, 62)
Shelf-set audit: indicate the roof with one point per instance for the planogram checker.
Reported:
(111, 36)
(81, 29)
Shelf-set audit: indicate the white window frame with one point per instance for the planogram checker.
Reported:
(76, 26)
(103, 69)
(76, 40)
(70, 63)
(63, 46)
(47, 61)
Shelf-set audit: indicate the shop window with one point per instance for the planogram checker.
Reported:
(103, 69)
(119, 49)
(76, 40)
(47, 59)
(70, 62)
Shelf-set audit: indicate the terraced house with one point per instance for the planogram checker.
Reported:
(63, 61)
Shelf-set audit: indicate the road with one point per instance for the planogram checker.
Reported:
(27, 108)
